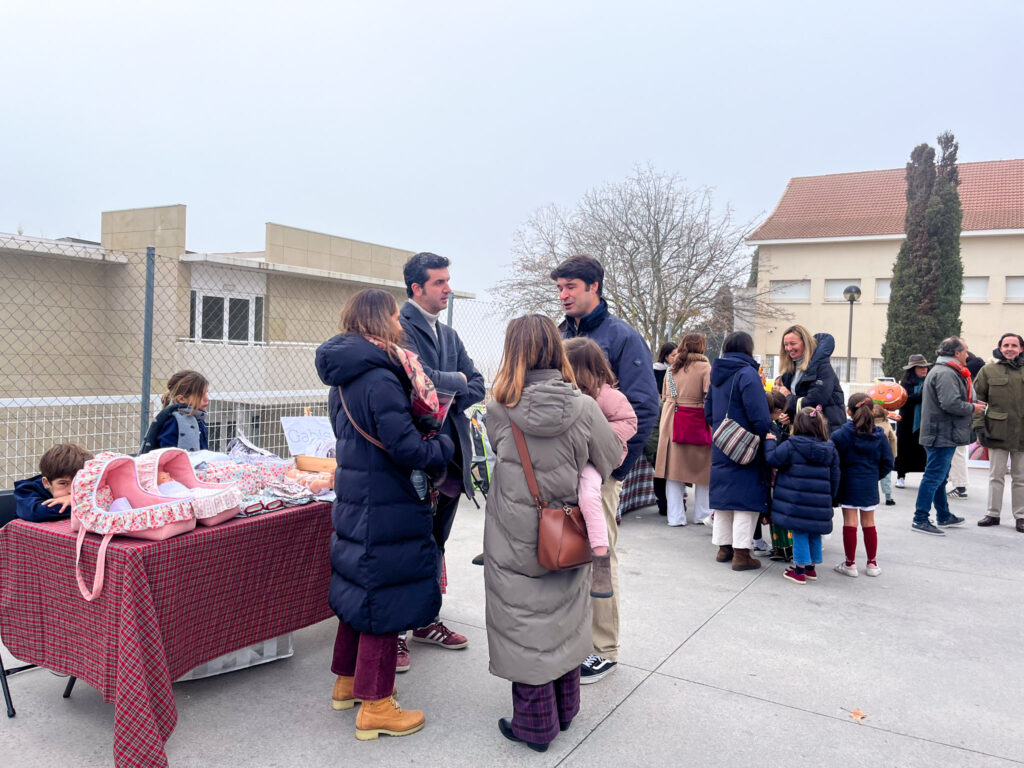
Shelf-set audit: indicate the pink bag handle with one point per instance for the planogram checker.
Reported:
(101, 559)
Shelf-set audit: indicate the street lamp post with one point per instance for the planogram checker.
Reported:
(851, 293)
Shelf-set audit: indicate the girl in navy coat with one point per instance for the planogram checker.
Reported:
(806, 485)
(384, 559)
(865, 458)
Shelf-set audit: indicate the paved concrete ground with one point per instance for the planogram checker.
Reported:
(718, 668)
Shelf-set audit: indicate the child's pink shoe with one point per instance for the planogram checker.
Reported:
(215, 502)
(792, 575)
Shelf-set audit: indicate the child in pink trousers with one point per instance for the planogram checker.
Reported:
(594, 377)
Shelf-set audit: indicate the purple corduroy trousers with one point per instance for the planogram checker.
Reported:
(371, 659)
(539, 710)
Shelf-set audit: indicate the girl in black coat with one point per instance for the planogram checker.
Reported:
(865, 458)
(384, 559)
(805, 487)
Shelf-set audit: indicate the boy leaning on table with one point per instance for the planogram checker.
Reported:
(47, 496)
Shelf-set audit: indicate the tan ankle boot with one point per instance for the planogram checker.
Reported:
(385, 716)
(724, 553)
(341, 696)
(742, 561)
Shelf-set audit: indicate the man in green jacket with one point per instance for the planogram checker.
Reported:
(1001, 427)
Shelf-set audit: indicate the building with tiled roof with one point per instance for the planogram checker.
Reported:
(828, 232)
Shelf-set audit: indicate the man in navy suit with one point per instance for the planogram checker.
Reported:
(445, 361)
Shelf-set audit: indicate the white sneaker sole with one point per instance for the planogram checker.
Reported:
(841, 568)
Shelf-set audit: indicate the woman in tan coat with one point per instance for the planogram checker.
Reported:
(538, 621)
(686, 386)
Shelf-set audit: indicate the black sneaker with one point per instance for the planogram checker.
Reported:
(594, 668)
(957, 493)
(951, 522)
(890, 503)
(927, 527)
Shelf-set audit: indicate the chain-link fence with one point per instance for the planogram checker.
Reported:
(76, 343)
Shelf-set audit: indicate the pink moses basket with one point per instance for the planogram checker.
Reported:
(111, 476)
(215, 502)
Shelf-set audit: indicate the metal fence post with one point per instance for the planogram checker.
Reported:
(147, 341)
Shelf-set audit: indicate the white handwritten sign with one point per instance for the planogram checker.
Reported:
(302, 431)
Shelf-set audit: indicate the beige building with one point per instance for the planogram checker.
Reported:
(829, 232)
(72, 320)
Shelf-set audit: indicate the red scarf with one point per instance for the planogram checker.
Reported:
(962, 370)
(424, 396)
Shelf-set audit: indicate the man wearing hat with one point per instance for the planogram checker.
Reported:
(910, 455)
(947, 405)
(1001, 427)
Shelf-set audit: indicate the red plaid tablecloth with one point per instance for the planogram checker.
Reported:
(166, 607)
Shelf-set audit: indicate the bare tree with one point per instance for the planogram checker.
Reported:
(666, 254)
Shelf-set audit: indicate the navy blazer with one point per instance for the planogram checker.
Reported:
(443, 358)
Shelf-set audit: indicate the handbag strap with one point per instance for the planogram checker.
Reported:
(352, 421)
(727, 402)
(671, 384)
(524, 456)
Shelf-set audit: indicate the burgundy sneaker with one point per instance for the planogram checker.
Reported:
(403, 656)
(438, 634)
(811, 573)
(792, 575)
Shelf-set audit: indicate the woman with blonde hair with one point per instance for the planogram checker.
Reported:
(806, 376)
(686, 457)
(385, 413)
(538, 621)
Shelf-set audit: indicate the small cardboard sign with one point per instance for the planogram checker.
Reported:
(302, 431)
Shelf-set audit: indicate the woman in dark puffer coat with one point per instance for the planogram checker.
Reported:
(808, 378)
(805, 489)
(384, 559)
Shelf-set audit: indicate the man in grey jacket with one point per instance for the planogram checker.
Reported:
(947, 405)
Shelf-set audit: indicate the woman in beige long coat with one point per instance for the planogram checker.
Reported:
(538, 621)
(680, 463)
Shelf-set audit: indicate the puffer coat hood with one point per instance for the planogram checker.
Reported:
(539, 621)
(807, 484)
(864, 459)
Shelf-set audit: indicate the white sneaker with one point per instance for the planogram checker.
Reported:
(900, 483)
(846, 570)
(709, 521)
(872, 569)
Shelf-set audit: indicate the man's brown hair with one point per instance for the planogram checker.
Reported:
(63, 460)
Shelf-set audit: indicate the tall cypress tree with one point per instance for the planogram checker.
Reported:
(927, 281)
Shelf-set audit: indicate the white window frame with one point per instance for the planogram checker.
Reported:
(877, 372)
(839, 366)
(782, 285)
(879, 290)
(1015, 294)
(228, 296)
(835, 298)
(966, 299)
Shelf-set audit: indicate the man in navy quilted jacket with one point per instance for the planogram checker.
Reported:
(580, 280)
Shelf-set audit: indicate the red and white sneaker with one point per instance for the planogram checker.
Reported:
(438, 634)
(403, 656)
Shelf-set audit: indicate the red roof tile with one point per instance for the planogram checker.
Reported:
(874, 202)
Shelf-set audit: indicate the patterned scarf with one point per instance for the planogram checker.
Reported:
(424, 396)
(965, 373)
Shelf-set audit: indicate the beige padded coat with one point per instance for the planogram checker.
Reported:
(539, 621)
(679, 461)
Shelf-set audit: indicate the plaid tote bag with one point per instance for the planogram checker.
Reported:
(733, 440)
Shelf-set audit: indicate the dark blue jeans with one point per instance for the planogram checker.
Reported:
(933, 485)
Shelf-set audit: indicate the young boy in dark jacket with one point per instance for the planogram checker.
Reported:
(47, 496)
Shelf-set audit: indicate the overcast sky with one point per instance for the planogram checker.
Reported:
(441, 125)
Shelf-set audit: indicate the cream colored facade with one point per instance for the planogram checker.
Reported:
(993, 303)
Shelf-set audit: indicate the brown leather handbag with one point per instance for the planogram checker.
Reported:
(561, 531)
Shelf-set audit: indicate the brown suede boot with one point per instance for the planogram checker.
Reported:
(385, 716)
(601, 580)
(341, 696)
(724, 554)
(742, 561)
